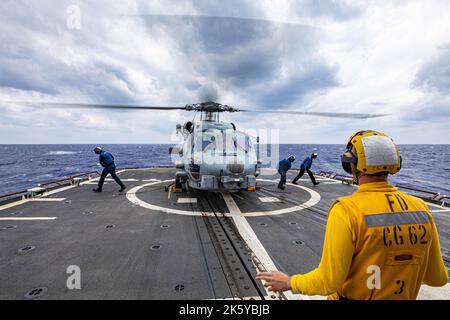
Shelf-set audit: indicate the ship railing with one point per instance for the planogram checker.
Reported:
(53, 184)
(435, 197)
(432, 196)
(48, 186)
(336, 176)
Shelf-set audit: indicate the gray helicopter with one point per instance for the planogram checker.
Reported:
(214, 155)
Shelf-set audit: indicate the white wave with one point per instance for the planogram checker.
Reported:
(60, 153)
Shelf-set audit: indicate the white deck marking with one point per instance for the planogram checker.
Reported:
(443, 210)
(315, 198)
(435, 205)
(187, 200)
(132, 197)
(269, 199)
(434, 293)
(438, 207)
(317, 178)
(13, 204)
(135, 169)
(92, 183)
(252, 240)
(149, 180)
(48, 199)
(126, 180)
(28, 219)
(58, 190)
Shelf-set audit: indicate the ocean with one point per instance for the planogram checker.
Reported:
(25, 166)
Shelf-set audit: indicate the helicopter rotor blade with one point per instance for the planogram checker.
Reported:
(324, 114)
(94, 106)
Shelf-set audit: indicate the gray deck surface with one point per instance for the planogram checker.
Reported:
(120, 262)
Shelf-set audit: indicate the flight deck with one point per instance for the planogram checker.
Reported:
(151, 243)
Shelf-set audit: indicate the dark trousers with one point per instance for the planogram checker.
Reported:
(111, 169)
(282, 179)
(300, 174)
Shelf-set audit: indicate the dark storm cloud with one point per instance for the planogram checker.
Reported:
(209, 93)
(37, 49)
(46, 74)
(314, 78)
(230, 8)
(257, 59)
(266, 63)
(337, 10)
(435, 74)
(433, 78)
(194, 34)
(246, 67)
(436, 108)
(23, 78)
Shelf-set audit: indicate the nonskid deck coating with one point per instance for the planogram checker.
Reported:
(164, 250)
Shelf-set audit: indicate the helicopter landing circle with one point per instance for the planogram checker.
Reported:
(133, 198)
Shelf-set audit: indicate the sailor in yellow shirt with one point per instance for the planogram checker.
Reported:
(380, 243)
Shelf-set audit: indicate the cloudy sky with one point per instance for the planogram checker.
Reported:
(312, 55)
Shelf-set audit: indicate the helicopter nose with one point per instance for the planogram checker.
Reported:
(235, 168)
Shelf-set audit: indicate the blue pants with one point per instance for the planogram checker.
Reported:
(282, 179)
(111, 169)
(302, 171)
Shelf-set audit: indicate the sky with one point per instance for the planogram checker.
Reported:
(390, 57)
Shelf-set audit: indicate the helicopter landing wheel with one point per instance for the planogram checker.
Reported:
(166, 188)
(178, 187)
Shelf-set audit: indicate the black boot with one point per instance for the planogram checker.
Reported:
(122, 188)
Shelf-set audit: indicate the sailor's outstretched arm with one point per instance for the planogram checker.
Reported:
(332, 271)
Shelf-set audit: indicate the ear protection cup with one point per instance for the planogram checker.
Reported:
(371, 152)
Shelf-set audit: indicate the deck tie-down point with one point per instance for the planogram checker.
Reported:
(35, 292)
(26, 249)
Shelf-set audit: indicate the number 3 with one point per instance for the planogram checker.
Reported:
(401, 283)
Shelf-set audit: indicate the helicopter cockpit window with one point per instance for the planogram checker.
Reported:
(208, 142)
(225, 142)
(240, 142)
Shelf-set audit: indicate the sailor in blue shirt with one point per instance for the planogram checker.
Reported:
(306, 166)
(283, 167)
(107, 161)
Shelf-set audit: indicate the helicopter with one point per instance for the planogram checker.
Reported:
(214, 155)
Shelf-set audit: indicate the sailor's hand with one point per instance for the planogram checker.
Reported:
(275, 280)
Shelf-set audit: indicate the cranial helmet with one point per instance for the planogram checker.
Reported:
(97, 149)
(292, 158)
(371, 152)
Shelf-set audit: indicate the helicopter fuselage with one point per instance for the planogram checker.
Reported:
(215, 156)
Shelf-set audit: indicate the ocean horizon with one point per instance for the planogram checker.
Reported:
(26, 165)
